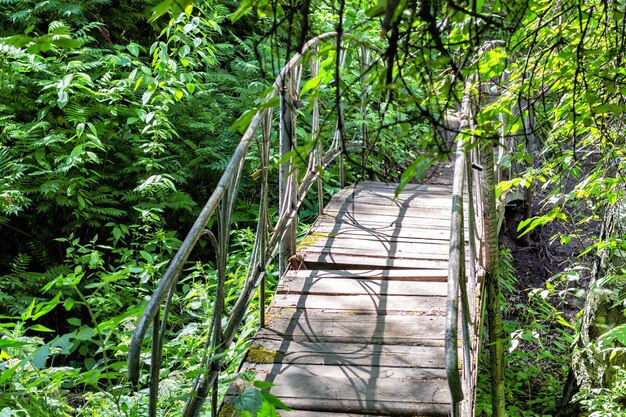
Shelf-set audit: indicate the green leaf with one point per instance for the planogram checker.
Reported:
(250, 400)
(63, 99)
(46, 307)
(133, 48)
(90, 363)
(146, 255)
(69, 304)
(74, 321)
(66, 43)
(145, 98)
(8, 343)
(263, 384)
(63, 343)
(313, 83)
(175, 7)
(273, 400)
(377, 10)
(416, 170)
(40, 328)
(244, 8)
(40, 357)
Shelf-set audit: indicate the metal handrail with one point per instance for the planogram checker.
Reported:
(266, 245)
(461, 282)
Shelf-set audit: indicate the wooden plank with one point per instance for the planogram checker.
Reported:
(325, 261)
(409, 203)
(397, 246)
(371, 205)
(364, 304)
(383, 217)
(319, 238)
(332, 253)
(355, 354)
(421, 223)
(381, 274)
(424, 330)
(378, 201)
(381, 232)
(307, 413)
(385, 390)
(384, 251)
(401, 216)
(314, 285)
(409, 188)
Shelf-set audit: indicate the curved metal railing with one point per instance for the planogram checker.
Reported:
(298, 173)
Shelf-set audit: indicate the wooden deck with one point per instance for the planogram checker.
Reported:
(359, 328)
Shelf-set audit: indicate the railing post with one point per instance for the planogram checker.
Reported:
(286, 179)
(365, 58)
(263, 229)
(318, 150)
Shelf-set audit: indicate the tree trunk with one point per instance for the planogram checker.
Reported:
(494, 314)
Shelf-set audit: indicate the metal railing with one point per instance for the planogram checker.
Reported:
(465, 285)
(298, 173)
(463, 279)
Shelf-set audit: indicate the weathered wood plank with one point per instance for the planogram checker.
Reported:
(355, 354)
(383, 251)
(382, 203)
(307, 413)
(434, 246)
(415, 330)
(382, 274)
(364, 304)
(409, 188)
(381, 221)
(316, 260)
(367, 203)
(352, 388)
(426, 220)
(294, 284)
(380, 231)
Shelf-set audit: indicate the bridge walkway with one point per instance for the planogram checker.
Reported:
(357, 326)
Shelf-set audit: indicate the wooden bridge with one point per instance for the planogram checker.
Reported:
(365, 321)
(357, 326)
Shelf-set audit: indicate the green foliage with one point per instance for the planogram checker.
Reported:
(539, 340)
(105, 150)
(254, 401)
(605, 402)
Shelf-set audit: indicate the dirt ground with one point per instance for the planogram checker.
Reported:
(546, 256)
(543, 256)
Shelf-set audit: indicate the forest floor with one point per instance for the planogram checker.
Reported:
(544, 256)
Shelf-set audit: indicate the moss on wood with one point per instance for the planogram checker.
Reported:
(312, 238)
(229, 410)
(260, 355)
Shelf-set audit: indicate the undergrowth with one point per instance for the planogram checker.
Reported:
(40, 376)
(538, 348)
